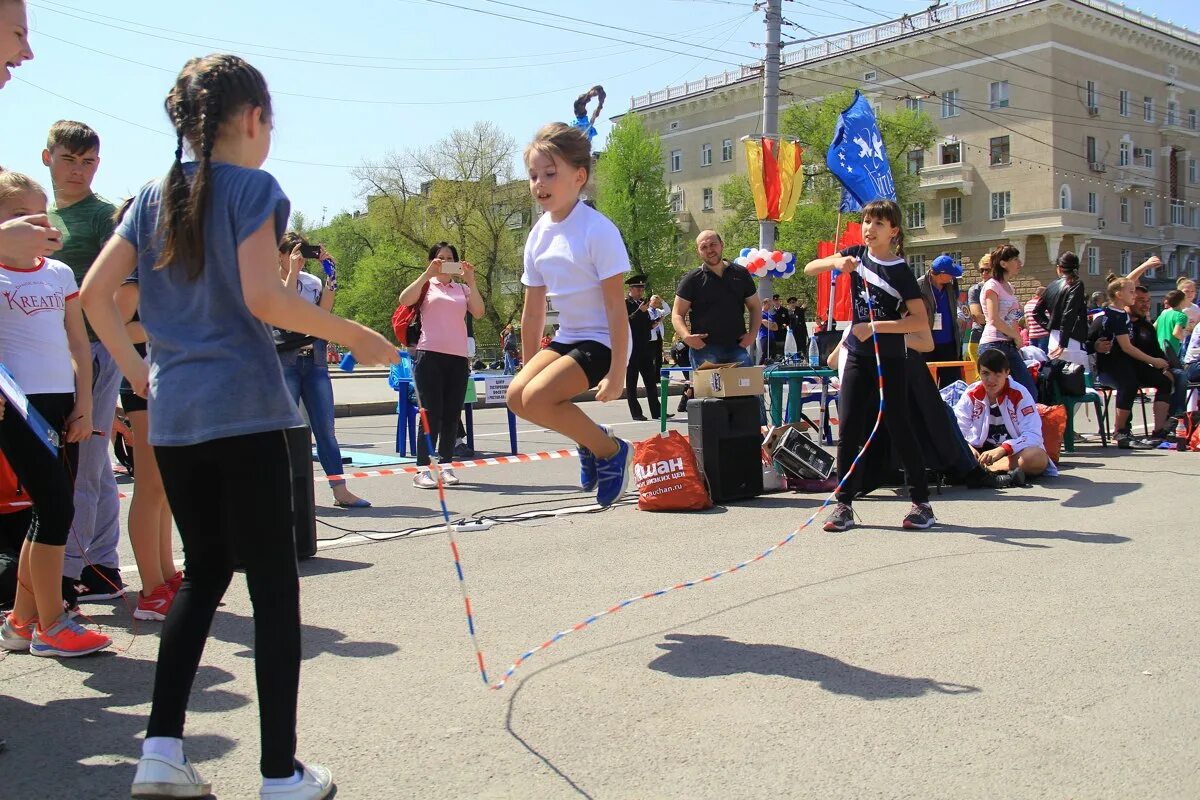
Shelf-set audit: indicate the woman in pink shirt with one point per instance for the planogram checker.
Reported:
(1003, 311)
(440, 364)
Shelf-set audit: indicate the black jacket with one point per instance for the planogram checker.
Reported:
(1063, 307)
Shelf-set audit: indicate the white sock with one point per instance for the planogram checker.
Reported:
(167, 747)
(284, 781)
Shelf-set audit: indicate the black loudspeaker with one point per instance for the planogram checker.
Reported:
(725, 435)
(304, 505)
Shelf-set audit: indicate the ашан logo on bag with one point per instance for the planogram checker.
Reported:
(641, 473)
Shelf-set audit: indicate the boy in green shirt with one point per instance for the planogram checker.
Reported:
(86, 221)
(1171, 325)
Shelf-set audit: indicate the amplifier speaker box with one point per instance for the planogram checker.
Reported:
(725, 435)
(304, 502)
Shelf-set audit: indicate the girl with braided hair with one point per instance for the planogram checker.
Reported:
(203, 243)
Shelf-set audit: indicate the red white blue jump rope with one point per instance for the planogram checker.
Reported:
(435, 470)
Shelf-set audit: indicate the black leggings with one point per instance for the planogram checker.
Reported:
(226, 515)
(858, 404)
(441, 386)
(47, 477)
(1129, 376)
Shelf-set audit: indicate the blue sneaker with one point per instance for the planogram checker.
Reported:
(587, 464)
(613, 474)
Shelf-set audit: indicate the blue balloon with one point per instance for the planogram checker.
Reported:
(746, 251)
(789, 260)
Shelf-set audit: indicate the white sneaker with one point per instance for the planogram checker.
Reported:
(449, 478)
(315, 784)
(424, 480)
(159, 777)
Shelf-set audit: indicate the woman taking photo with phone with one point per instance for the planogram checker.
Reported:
(446, 291)
(305, 367)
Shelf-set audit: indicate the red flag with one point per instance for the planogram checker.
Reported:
(841, 305)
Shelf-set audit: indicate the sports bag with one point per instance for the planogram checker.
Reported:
(406, 321)
(667, 476)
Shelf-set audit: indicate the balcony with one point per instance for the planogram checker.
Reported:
(684, 220)
(1134, 176)
(958, 177)
(1051, 220)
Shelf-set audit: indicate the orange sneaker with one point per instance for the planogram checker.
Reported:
(154, 606)
(15, 636)
(175, 581)
(66, 638)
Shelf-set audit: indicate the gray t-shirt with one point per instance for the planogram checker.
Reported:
(214, 372)
(973, 298)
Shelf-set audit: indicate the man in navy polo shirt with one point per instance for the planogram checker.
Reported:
(939, 290)
(710, 307)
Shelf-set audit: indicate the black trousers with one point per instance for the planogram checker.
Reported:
(858, 404)
(441, 386)
(642, 362)
(948, 351)
(1128, 376)
(48, 478)
(225, 516)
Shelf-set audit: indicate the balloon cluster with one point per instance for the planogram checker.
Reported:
(761, 263)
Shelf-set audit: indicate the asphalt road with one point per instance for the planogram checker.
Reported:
(1039, 643)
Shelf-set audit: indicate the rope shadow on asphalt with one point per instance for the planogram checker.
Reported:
(708, 656)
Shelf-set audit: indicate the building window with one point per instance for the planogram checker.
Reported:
(1192, 267)
(676, 160)
(1092, 102)
(914, 104)
(917, 265)
(1126, 261)
(1192, 213)
(950, 104)
(1124, 209)
(1093, 203)
(1192, 170)
(1093, 260)
(916, 161)
(706, 155)
(1148, 109)
(914, 216)
(951, 210)
(1150, 273)
(951, 153)
(1090, 149)
(998, 94)
(1064, 197)
(1172, 112)
(1001, 204)
(1172, 265)
(1123, 154)
(677, 202)
(999, 150)
(1192, 118)
(727, 150)
(708, 199)
(1148, 213)
(1178, 214)
(1123, 102)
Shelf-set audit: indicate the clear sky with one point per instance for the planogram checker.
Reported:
(352, 81)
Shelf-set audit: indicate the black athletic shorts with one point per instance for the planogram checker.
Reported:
(130, 402)
(593, 358)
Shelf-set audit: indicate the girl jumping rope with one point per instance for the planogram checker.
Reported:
(204, 244)
(44, 345)
(574, 257)
(878, 270)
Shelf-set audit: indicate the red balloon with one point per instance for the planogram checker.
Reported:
(777, 256)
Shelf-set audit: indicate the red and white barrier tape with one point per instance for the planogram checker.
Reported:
(519, 458)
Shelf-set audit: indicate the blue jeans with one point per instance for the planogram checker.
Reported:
(308, 380)
(510, 363)
(1042, 342)
(1016, 365)
(721, 354)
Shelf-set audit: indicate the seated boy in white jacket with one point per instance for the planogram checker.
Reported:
(1000, 421)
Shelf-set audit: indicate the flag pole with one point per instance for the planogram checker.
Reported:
(837, 231)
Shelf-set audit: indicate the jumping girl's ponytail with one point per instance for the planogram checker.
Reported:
(208, 92)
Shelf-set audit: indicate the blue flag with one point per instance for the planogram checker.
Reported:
(858, 159)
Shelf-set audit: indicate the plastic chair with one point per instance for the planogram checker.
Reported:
(1092, 396)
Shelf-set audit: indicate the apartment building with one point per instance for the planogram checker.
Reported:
(1063, 125)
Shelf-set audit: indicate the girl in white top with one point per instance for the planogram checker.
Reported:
(575, 258)
(44, 345)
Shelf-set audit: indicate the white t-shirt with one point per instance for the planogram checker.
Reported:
(571, 258)
(33, 332)
(1009, 310)
(1193, 314)
(309, 287)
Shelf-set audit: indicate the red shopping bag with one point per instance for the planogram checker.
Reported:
(667, 476)
(1054, 429)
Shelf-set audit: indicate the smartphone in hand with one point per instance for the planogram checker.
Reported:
(452, 268)
(312, 251)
